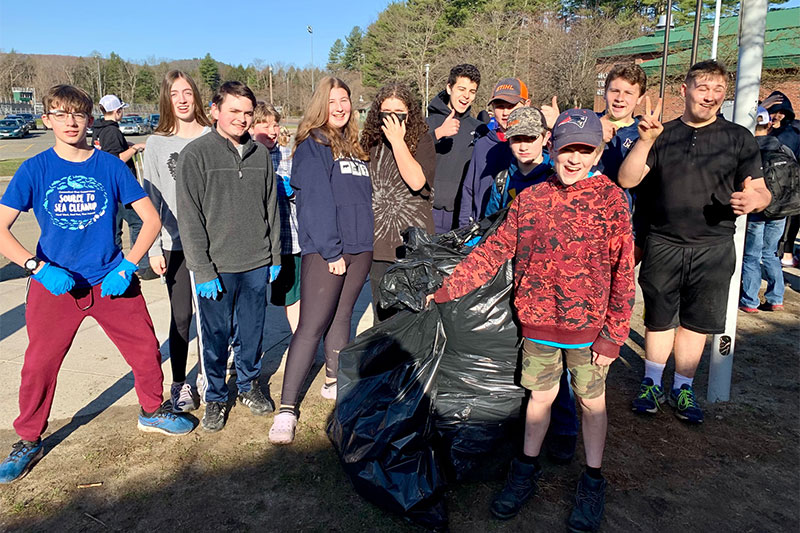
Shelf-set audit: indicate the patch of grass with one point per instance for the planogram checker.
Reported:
(9, 166)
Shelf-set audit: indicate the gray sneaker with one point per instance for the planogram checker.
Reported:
(214, 417)
(256, 401)
(183, 398)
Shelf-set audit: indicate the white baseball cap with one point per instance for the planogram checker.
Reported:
(110, 103)
(762, 116)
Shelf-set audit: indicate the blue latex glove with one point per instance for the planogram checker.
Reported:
(118, 280)
(274, 270)
(473, 241)
(286, 189)
(209, 289)
(55, 279)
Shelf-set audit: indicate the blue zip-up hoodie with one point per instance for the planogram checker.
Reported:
(334, 201)
(617, 149)
(516, 182)
(492, 154)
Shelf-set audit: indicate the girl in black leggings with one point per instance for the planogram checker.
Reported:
(182, 120)
(335, 230)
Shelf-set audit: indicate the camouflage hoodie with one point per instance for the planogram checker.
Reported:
(573, 263)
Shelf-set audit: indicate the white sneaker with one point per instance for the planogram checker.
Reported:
(282, 430)
(183, 398)
(201, 384)
(328, 391)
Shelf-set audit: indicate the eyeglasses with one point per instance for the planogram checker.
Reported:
(61, 116)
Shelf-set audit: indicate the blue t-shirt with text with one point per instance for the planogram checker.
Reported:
(75, 205)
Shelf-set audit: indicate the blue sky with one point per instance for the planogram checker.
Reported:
(238, 32)
(137, 30)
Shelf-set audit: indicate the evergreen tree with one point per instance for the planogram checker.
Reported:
(209, 72)
(335, 56)
(351, 58)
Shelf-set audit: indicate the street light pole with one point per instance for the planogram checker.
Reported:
(310, 30)
(270, 86)
(427, 97)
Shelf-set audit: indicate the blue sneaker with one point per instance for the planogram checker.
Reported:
(164, 421)
(685, 404)
(650, 397)
(24, 454)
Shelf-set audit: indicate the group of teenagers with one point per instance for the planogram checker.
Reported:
(227, 208)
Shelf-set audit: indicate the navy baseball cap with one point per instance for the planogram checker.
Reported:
(577, 126)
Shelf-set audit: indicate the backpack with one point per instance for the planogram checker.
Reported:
(782, 177)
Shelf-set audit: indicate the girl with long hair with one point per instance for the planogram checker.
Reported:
(334, 212)
(402, 166)
(182, 120)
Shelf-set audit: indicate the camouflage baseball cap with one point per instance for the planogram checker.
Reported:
(527, 121)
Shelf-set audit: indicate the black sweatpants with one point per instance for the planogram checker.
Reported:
(326, 307)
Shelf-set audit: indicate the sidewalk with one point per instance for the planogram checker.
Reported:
(94, 375)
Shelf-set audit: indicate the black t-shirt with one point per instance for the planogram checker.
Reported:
(110, 139)
(693, 172)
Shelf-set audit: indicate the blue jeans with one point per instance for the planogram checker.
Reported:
(245, 295)
(761, 248)
(563, 418)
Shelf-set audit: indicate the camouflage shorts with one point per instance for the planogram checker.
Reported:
(543, 365)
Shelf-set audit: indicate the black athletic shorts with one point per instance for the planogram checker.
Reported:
(686, 286)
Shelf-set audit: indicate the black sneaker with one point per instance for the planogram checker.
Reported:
(590, 502)
(255, 400)
(214, 417)
(520, 485)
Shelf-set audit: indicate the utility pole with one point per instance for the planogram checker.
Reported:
(696, 35)
(716, 30)
(752, 27)
(665, 54)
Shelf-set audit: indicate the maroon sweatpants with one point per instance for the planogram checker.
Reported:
(52, 322)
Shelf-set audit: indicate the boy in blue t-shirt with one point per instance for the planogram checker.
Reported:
(79, 271)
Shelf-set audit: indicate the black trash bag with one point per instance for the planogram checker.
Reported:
(477, 391)
(381, 427)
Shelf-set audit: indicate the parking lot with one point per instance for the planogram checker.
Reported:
(39, 141)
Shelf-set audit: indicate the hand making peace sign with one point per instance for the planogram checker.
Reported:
(650, 126)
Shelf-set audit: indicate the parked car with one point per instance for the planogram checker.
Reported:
(21, 120)
(30, 118)
(129, 126)
(153, 120)
(144, 125)
(11, 129)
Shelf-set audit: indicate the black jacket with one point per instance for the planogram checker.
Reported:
(453, 154)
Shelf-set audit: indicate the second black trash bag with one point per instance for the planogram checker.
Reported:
(381, 427)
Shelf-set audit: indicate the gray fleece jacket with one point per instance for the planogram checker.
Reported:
(227, 207)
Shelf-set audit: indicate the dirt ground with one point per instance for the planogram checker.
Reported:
(738, 472)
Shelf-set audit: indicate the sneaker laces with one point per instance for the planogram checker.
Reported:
(592, 497)
(19, 449)
(686, 399)
(649, 392)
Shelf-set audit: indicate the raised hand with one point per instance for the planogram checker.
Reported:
(395, 130)
(551, 112)
(650, 126)
(609, 130)
(771, 100)
(449, 127)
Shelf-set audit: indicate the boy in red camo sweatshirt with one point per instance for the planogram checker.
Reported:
(572, 245)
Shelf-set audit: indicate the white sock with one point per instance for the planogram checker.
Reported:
(654, 371)
(680, 380)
